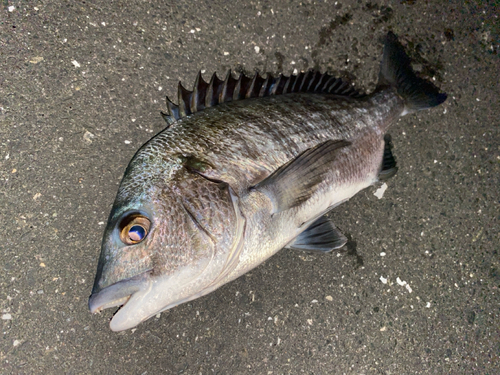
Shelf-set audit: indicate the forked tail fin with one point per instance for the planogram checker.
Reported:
(396, 71)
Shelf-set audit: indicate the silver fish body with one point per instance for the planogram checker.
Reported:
(223, 189)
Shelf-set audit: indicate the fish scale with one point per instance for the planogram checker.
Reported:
(246, 167)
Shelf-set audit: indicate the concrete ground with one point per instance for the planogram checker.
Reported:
(415, 292)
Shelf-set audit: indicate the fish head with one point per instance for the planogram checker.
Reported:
(170, 238)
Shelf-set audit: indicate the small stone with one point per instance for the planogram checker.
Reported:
(36, 59)
(380, 191)
(329, 298)
(88, 136)
(6, 316)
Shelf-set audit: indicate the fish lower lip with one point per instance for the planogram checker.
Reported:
(117, 294)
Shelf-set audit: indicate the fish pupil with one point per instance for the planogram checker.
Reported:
(137, 233)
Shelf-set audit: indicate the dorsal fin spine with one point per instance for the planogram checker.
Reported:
(228, 87)
(316, 82)
(248, 94)
(183, 98)
(277, 83)
(199, 92)
(304, 85)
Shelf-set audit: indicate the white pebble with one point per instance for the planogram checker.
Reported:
(6, 317)
(400, 282)
(75, 63)
(257, 49)
(383, 279)
(380, 191)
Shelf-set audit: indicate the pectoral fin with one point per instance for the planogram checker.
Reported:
(322, 235)
(295, 182)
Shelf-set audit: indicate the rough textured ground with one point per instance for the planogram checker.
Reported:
(81, 87)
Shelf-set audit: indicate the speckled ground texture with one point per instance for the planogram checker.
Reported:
(415, 292)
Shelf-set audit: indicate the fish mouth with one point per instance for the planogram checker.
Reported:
(145, 295)
(120, 293)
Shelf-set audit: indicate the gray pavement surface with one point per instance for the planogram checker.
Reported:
(415, 292)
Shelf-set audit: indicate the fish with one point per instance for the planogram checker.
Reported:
(246, 167)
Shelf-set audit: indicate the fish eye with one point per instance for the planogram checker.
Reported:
(134, 229)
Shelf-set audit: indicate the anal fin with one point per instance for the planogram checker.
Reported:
(388, 168)
(322, 236)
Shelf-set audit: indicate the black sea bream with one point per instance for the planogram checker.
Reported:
(245, 168)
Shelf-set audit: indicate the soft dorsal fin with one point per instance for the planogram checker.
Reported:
(209, 94)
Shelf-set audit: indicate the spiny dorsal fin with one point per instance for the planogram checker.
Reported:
(209, 94)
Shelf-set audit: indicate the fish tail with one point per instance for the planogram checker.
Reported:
(396, 71)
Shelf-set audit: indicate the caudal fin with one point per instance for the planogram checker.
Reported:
(396, 71)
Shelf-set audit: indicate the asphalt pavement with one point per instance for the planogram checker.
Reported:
(415, 291)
